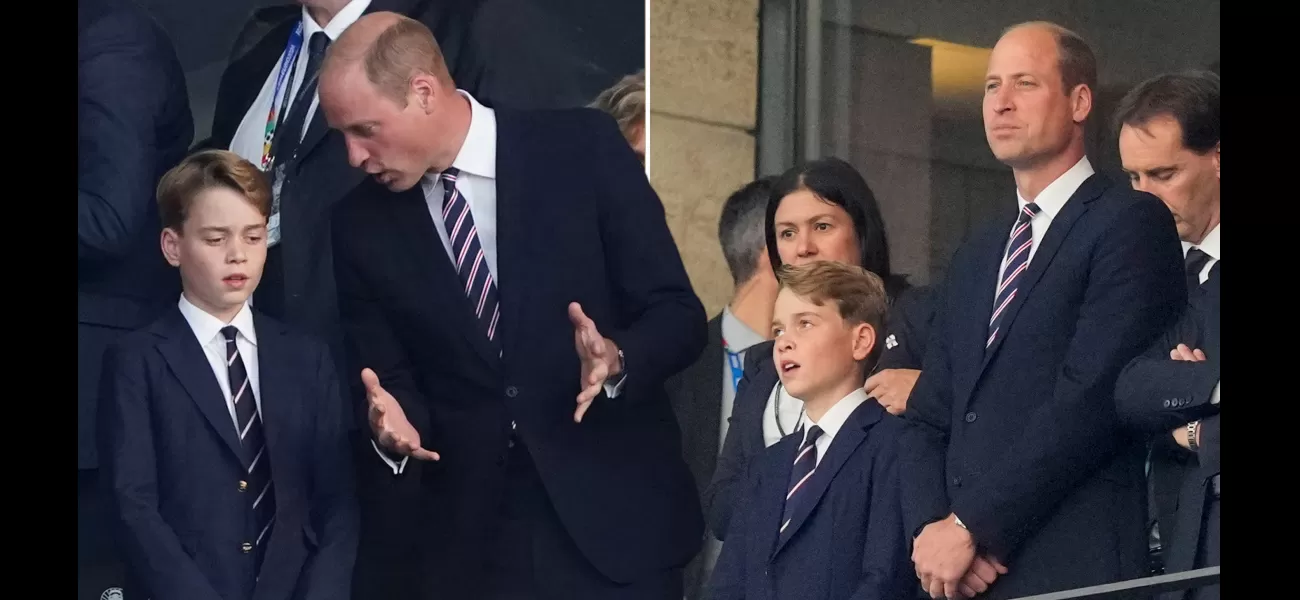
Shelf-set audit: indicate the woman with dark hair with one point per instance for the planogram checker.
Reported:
(822, 210)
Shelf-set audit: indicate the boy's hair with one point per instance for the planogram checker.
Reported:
(205, 170)
(625, 101)
(858, 293)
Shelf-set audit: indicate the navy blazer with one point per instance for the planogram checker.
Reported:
(133, 123)
(577, 221)
(1021, 440)
(172, 463)
(1156, 394)
(848, 543)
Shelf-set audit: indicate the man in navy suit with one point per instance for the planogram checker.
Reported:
(221, 433)
(133, 123)
(819, 516)
(1018, 478)
(513, 300)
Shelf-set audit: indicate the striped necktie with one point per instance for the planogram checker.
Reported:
(468, 256)
(258, 486)
(805, 464)
(1022, 241)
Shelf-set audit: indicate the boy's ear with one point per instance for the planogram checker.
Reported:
(171, 246)
(864, 340)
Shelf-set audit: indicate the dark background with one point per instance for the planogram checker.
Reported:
(608, 36)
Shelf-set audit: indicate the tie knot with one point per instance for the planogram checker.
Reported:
(318, 43)
(229, 332)
(814, 432)
(1196, 259)
(450, 174)
(1030, 211)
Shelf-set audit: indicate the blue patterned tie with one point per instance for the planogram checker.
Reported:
(467, 255)
(1022, 240)
(805, 464)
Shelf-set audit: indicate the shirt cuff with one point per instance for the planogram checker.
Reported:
(612, 390)
(398, 467)
(1214, 397)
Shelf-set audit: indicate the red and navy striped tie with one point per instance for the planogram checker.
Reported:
(467, 255)
(805, 464)
(261, 491)
(1022, 241)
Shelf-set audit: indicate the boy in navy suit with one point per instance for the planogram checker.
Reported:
(220, 432)
(820, 516)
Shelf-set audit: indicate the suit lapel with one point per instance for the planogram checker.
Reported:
(248, 74)
(845, 444)
(968, 352)
(1056, 235)
(707, 389)
(415, 225)
(277, 396)
(776, 463)
(185, 357)
(513, 243)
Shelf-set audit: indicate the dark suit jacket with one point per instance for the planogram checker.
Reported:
(1156, 394)
(1022, 440)
(133, 123)
(616, 480)
(848, 543)
(172, 463)
(909, 321)
(696, 397)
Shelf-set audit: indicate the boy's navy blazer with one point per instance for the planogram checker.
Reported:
(847, 542)
(172, 462)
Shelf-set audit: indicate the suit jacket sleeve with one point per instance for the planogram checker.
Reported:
(127, 464)
(1134, 291)
(1208, 453)
(924, 441)
(123, 91)
(733, 462)
(370, 339)
(1155, 393)
(334, 509)
(729, 576)
(666, 324)
(886, 561)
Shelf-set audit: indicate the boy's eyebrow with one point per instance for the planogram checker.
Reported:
(213, 229)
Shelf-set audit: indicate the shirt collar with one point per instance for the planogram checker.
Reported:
(1210, 245)
(834, 419)
(207, 327)
(736, 334)
(341, 21)
(478, 155)
(1056, 194)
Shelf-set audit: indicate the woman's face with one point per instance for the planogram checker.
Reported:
(810, 229)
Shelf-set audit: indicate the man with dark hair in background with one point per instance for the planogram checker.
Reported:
(133, 123)
(703, 394)
(1169, 145)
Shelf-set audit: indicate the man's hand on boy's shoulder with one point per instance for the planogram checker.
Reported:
(891, 388)
(389, 423)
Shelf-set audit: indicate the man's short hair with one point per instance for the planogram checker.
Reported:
(205, 170)
(858, 293)
(1190, 97)
(397, 54)
(625, 101)
(740, 228)
(1075, 58)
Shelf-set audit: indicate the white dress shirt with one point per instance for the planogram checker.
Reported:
(1051, 200)
(477, 163)
(790, 415)
(832, 421)
(1210, 246)
(207, 329)
(248, 139)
